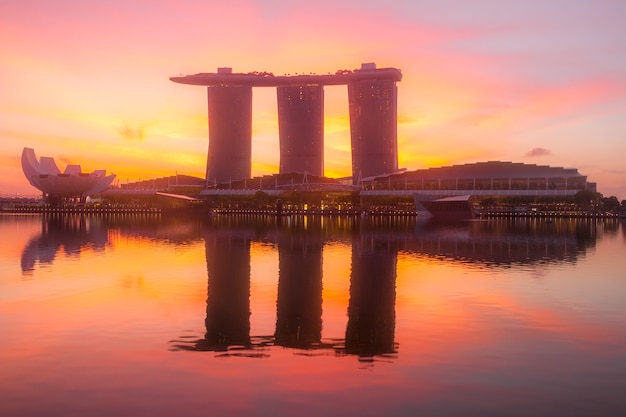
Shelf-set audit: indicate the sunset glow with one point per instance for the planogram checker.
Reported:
(87, 82)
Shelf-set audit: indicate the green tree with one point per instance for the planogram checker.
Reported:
(584, 198)
(261, 198)
(610, 203)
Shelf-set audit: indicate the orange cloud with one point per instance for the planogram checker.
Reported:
(131, 133)
(538, 152)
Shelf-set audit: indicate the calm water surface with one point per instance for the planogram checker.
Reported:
(250, 316)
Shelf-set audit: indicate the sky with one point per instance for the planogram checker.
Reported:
(534, 81)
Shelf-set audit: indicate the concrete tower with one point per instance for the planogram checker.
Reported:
(230, 132)
(301, 128)
(373, 124)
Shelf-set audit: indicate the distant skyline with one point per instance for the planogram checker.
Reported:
(541, 82)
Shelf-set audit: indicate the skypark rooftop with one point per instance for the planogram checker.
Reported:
(267, 79)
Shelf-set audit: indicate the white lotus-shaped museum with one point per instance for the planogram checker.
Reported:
(48, 178)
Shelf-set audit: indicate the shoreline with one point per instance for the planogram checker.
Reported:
(482, 214)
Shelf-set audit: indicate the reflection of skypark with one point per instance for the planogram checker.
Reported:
(260, 347)
(256, 347)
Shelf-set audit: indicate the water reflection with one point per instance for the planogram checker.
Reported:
(442, 311)
(493, 243)
(76, 233)
(506, 242)
(375, 246)
(371, 315)
(228, 303)
(300, 242)
(299, 304)
(72, 234)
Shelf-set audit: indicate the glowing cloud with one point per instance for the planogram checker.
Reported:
(538, 152)
(131, 133)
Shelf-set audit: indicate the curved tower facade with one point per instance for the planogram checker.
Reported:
(373, 127)
(301, 128)
(230, 133)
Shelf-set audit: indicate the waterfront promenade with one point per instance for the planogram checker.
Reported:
(386, 211)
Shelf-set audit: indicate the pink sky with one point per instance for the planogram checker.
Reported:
(525, 81)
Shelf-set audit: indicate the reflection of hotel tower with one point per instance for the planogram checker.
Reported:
(228, 302)
(371, 309)
(299, 303)
(371, 312)
(372, 97)
(370, 330)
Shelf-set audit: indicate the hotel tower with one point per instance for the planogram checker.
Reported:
(372, 98)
